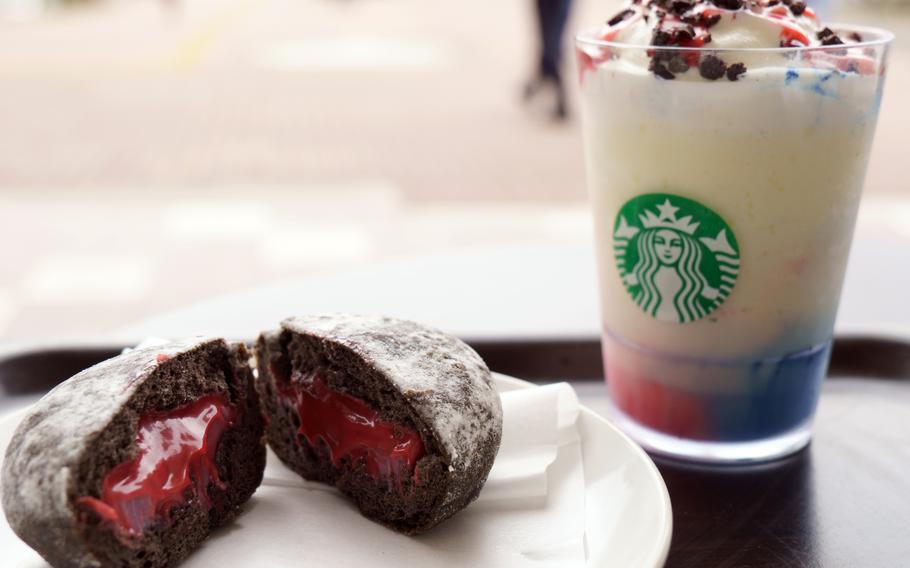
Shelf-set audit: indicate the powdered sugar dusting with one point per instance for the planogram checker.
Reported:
(51, 440)
(446, 382)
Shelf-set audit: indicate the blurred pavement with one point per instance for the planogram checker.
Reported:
(158, 153)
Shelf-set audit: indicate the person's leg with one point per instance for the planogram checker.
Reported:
(549, 64)
(534, 83)
(559, 15)
(561, 11)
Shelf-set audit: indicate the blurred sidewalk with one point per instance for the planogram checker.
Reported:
(154, 154)
(128, 95)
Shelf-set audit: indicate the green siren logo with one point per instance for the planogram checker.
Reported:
(678, 259)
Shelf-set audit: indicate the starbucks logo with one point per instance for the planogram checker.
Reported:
(678, 259)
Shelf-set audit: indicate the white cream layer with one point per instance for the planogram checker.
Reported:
(780, 155)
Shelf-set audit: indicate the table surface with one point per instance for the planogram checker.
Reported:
(840, 502)
(527, 289)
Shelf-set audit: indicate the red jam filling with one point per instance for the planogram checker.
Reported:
(176, 463)
(352, 430)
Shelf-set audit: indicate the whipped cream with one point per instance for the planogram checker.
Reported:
(702, 32)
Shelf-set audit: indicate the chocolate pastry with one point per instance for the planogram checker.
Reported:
(402, 418)
(132, 462)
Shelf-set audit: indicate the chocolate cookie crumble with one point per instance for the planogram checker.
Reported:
(677, 64)
(712, 67)
(728, 4)
(680, 7)
(625, 14)
(828, 37)
(735, 71)
(659, 68)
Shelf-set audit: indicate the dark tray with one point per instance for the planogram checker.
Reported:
(845, 501)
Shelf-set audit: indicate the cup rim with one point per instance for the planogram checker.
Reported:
(882, 36)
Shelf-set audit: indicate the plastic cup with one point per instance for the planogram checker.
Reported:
(724, 212)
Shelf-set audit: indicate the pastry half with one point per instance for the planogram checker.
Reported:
(402, 418)
(132, 462)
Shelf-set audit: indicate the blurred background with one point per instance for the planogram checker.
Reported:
(155, 153)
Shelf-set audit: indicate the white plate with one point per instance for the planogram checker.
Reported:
(628, 517)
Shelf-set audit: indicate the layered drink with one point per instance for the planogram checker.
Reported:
(727, 143)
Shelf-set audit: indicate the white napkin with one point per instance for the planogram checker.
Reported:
(536, 422)
(530, 513)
